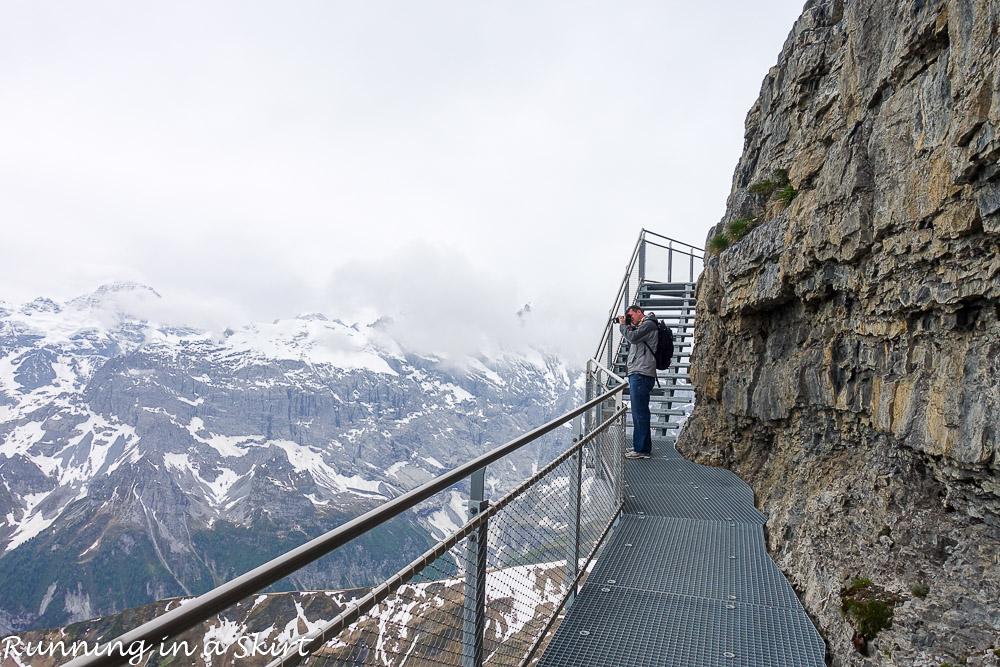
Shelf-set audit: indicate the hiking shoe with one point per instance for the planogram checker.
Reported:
(636, 455)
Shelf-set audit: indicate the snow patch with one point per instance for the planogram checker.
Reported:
(306, 458)
(316, 501)
(452, 517)
(433, 461)
(489, 374)
(177, 462)
(21, 439)
(224, 481)
(309, 341)
(226, 445)
(7, 370)
(28, 529)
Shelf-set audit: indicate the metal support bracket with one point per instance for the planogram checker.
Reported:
(474, 607)
(573, 546)
(642, 262)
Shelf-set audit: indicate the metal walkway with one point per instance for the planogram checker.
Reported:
(685, 580)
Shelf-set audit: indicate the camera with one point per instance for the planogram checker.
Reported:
(628, 319)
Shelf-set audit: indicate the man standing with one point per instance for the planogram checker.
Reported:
(640, 331)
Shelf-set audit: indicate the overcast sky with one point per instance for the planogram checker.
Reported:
(256, 160)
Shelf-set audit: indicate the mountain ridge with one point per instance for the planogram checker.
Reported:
(148, 452)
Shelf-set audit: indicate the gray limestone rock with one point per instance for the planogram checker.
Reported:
(848, 348)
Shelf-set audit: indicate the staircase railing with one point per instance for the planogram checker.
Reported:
(655, 258)
(489, 591)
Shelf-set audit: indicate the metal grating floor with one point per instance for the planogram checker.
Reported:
(685, 581)
(607, 628)
(705, 559)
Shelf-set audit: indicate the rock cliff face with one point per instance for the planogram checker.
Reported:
(847, 361)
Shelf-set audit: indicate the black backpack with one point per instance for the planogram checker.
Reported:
(664, 346)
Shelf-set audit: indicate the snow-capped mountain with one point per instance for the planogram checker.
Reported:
(140, 460)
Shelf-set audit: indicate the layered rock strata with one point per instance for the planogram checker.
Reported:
(847, 360)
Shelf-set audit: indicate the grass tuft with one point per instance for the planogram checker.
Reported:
(869, 607)
(786, 195)
(737, 229)
(718, 243)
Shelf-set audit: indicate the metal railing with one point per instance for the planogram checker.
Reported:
(655, 258)
(490, 591)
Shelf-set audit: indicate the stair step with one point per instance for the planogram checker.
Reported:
(678, 344)
(622, 358)
(671, 318)
(664, 412)
(656, 424)
(664, 302)
(657, 304)
(679, 293)
(666, 379)
(660, 394)
(667, 316)
(668, 286)
(683, 357)
(685, 362)
(655, 408)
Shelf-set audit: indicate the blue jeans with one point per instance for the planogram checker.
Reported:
(639, 387)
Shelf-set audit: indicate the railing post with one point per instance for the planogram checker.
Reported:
(590, 393)
(573, 548)
(611, 339)
(599, 410)
(474, 611)
(642, 261)
(593, 378)
(620, 455)
(670, 263)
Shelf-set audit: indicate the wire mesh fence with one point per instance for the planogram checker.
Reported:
(460, 604)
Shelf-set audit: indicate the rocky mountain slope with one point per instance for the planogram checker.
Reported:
(140, 461)
(847, 363)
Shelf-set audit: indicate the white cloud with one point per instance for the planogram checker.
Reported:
(440, 302)
(244, 152)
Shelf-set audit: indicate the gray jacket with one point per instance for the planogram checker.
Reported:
(640, 357)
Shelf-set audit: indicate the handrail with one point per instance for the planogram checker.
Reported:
(672, 249)
(314, 640)
(176, 621)
(609, 372)
(696, 248)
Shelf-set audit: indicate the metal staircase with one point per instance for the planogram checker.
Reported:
(660, 278)
(673, 304)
